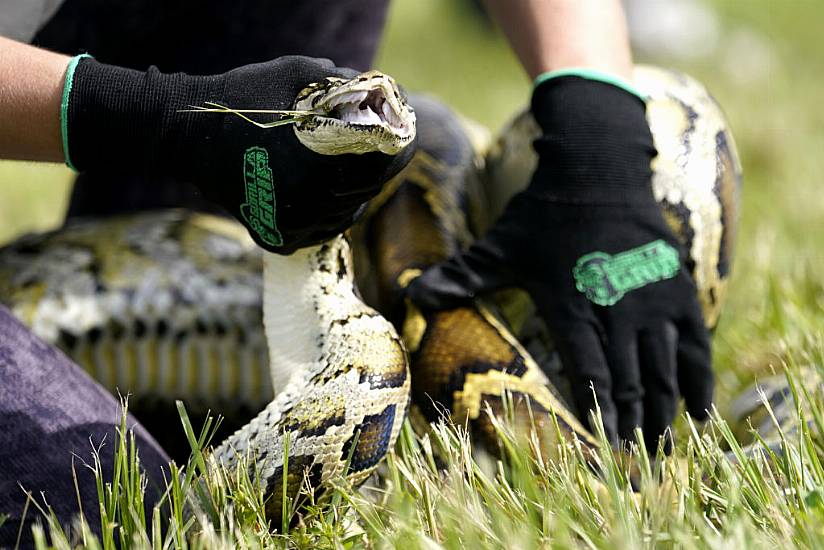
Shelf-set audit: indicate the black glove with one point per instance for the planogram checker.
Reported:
(286, 195)
(588, 242)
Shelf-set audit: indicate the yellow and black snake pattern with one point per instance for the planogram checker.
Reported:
(168, 305)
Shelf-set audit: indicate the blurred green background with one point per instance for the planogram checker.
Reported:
(762, 59)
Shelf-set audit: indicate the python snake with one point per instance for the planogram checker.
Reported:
(168, 304)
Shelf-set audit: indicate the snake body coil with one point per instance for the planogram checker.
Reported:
(169, 304)
(343, 371)
(468, 358)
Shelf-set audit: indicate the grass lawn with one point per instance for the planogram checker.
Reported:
(767, 73)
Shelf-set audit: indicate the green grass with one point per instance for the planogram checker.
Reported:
(433, 492)
(775, 313)
(33, 197)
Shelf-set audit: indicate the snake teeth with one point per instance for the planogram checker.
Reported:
(368, 108)
(365, 114)
(349, 97)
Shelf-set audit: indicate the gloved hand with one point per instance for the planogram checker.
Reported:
(287, 196)
(588, 242)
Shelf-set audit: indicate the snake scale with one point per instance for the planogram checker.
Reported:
(172, 304)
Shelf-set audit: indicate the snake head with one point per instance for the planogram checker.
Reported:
(360, 115)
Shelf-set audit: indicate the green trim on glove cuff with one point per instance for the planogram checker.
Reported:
(64, 106)
(591, 74)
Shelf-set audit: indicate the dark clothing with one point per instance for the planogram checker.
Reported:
(201, 38)
(51, 413)
(218, 35)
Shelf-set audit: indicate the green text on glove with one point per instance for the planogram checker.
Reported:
(259, 208)
(604, 279)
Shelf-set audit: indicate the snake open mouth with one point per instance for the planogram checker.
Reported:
(370, 108)
(366, 113)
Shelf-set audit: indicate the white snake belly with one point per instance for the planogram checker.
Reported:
(342, 370)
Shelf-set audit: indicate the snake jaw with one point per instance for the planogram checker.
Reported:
(365, 114)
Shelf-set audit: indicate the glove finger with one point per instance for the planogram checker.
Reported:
(332, 226)
(328, 228)
(621, 353)
(321, 230)
(695, 377)
(324, 214)
(328, 214)
(352, 174)
(583, 358)
(343, 72)
(657, 354)
(366, 174)
(461, 278)
(316, 68)
(356, 195)
(324, 207)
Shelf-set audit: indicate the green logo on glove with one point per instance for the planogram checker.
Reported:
(604, 279)
(259, 208)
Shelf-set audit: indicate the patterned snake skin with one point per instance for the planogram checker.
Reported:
(167, 305)
(468, 359)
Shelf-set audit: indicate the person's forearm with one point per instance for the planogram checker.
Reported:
(548, 35)
(31, 87)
